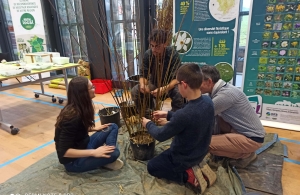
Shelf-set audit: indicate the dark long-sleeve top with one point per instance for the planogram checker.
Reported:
(191, 128)
(151, 66)
(70, 134)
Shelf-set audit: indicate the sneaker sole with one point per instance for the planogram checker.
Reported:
(118, 164)
(193, 188)
(202, 182)
(211, 176)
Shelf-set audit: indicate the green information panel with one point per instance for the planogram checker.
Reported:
(206, 33)
(273, 58)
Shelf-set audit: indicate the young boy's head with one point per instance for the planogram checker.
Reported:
(158, 39)
(190, 74)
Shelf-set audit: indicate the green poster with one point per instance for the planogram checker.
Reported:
(205, 33)
(272, 68)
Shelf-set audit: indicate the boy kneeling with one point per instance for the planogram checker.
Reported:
(191, 128)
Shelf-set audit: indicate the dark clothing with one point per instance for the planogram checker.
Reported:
(176, 104)
(71, 134)
(159, 75)
(163, 166)
(151, 67)
(191, 128)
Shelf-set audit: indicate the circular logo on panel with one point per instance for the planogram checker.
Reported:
(27, 21)
(226, 71)
(223, 10)
(183, 42)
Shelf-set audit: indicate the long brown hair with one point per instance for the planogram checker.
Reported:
(79, 104)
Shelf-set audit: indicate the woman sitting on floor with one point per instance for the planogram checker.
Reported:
(76, 150)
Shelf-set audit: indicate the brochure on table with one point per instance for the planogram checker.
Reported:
(272, 64)
(27, 18)
(206, 31)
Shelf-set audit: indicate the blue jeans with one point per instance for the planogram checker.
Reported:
(163, 166)
(109, 137)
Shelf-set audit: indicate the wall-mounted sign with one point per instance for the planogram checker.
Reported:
(27, 18)
(206, 33)
(272, 65)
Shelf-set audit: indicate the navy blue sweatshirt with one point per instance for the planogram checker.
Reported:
(191, 128)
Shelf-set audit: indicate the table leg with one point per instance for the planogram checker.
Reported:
(8, 127)
(37, 94)
(66, 78)
(60, 99)
(41, 83)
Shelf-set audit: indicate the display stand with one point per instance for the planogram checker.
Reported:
(271, 66)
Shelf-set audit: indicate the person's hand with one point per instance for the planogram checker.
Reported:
(145, 121)
(103, 151)
(155, 92)
(159, 114)
(162, 121)
(144, 88)
(103, 127)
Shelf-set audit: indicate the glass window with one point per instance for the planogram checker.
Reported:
(70, 21)
(78, 8)
(159, 2)
(123, 36)
(243, 30)
(62, 12)
(71, 11)
(242, 44)
(246, 5)
(66, 40)
(82, 42)
(10, 28)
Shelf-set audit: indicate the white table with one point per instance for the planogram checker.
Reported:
(9, 127)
